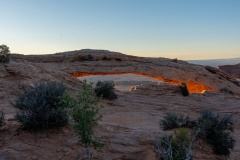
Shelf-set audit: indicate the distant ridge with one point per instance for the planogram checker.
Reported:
(216, 62)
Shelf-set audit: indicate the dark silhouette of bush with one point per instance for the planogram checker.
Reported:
(173, 120)
(41, 108)
(184, 89)
(4, 54)
(175, 60)
(2, 119)
(226, 90)
(106, 90)
(216, 130)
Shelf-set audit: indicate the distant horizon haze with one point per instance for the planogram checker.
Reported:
(159, 55)
(183, 29)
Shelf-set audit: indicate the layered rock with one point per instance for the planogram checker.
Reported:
(233, 70)
(131, 122)
(97, 62)
(15, 77)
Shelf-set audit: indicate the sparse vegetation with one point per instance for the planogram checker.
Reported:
(85, 114)
(176, 147)
(106, 90)
(2, 119)
(173, 120)
(175, 60)
(40, 108)
(216, 130)
(209, 126)
(184, 89)
(4, 54)
(226, 90)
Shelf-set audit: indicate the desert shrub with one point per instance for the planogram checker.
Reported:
(40, 108)
(2, 119)
(184, 89)
(173, 120)
(216, 130)
(226, 90)
(85, 114)
(175, 60)
(4, 54)
(176, 147)
(106, 90)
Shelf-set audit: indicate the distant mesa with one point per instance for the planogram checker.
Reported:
(232, 70)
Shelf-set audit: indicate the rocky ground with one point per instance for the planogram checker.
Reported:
(128, 127)
(130, 123)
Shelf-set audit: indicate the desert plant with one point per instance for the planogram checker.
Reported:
(40, 108)
(226, 90)
(182, 134)
(4, 54)
(216, 130)
(176, 147)
(106, 90)
(184, 89)
(175, 60)
(173, 120)
(2, 119)
(84, 112)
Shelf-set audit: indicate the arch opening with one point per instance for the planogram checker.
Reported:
(193, 87)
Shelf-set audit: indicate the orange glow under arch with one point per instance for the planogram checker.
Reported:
(193, 87)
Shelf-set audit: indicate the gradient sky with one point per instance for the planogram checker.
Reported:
(183, 29)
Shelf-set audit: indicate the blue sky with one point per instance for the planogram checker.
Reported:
(183, 29)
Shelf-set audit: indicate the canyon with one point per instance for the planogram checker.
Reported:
(131, 122)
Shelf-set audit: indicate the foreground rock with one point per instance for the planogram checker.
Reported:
(128, 128)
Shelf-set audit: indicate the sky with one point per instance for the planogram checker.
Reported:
(183, 29)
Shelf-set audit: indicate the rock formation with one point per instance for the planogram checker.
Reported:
(98, 62)
(233, 70)
(131, 122)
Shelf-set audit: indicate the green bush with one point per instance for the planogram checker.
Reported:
(106, 90)
(2, 119)
(184, 89)
(41, 107)
(84, 112)
(216, 130)
(176, 147)
(213, 128)
(4, 54)
(173, 120)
